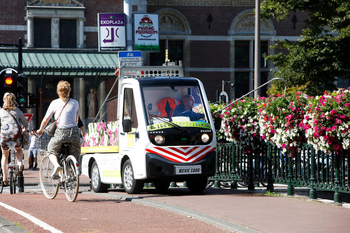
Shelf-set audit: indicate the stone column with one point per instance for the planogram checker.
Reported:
(232, 66)
(80, 33)
(30, 31)
(55, 33)
(82, 101)
(95, 102)
(271, 65)
(102, 98)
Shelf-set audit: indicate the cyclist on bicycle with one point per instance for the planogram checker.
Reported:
(11, 122)
(67, 111)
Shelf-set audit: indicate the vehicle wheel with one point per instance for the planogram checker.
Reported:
(197, 185)
(96, 183)
(162, 186)
(131, 185)
(48, 185)
(12, 184)
(71, 184)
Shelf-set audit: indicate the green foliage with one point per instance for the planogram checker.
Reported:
(272, 194)
(278, 89)
(214, 108)
(323, 53)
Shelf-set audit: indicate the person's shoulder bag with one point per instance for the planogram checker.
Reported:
(51, 128)
(24, 135)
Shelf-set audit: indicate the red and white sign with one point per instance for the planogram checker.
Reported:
(28, 116)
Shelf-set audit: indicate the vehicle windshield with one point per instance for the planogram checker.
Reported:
(172, 106)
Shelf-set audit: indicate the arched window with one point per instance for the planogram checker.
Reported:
(242, 30)
(171, 22)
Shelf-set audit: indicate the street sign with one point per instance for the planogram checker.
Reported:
(146, 31)
(111, 31)
(130, 58)
(28, 116)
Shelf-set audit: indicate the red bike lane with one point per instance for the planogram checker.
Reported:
(92, 213)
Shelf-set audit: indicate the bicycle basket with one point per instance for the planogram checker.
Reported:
(43, 141)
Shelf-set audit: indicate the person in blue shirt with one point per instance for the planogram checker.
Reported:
(185, 109)
(33, 150)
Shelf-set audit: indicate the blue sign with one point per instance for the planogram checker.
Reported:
(130, 58)
(129, 54)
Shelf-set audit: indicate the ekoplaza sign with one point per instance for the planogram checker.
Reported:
(146, 32)
(111, 30)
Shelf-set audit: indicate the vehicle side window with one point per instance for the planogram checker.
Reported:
(129, 110)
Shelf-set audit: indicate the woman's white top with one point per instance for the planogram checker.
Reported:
(68, 116)
(9, 126)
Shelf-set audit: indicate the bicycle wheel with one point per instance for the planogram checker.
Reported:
(71, 183)
(12, 183)
(1, 181)
(48, 185)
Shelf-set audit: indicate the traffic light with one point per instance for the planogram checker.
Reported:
(22, 95)
(9, 81)
(33, 100)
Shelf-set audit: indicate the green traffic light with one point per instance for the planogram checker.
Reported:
(22, 100)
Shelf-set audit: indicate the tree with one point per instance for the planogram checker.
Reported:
(323, 53)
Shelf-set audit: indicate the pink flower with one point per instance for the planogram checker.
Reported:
(333, 112)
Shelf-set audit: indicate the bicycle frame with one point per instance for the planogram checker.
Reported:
(12, 168)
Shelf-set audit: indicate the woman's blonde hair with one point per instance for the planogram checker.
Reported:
(9, 101)
(63, 89)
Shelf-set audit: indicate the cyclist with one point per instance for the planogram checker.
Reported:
(66, 110)
(11, 122)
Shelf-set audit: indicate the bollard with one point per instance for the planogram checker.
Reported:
(20, 183)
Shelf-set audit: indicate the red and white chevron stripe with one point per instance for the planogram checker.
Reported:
(184, 154)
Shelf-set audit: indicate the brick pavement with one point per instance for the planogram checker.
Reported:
(250, 210)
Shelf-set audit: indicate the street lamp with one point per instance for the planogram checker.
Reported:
(257, 48)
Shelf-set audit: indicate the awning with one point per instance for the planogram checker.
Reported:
(62, 63)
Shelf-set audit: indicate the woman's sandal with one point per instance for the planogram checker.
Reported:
(5, 183)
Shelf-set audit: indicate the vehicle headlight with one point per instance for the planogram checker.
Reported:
(205, 138)
(159, 139)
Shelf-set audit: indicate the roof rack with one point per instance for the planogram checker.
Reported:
(151, 71)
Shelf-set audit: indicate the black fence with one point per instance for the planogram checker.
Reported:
(268, 165)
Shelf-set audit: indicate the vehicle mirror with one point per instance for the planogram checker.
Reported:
(126, 125)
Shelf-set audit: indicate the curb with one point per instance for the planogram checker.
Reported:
(38, 184)
(7, 226)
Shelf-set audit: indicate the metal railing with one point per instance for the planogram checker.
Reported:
(268, 165)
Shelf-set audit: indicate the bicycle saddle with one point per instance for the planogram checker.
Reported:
(11, 144)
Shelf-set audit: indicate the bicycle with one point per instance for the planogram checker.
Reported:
(69, 177)
(12, 168)
(1, 181)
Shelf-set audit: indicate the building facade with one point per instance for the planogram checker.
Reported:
(214, 39)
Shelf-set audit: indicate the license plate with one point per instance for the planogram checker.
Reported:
(186, 170)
